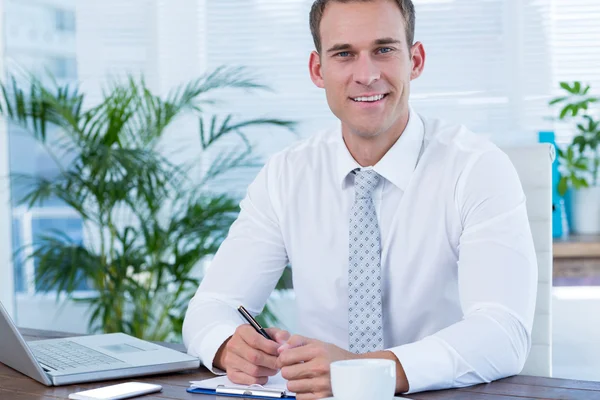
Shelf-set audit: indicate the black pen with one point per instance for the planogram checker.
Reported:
(253, 322)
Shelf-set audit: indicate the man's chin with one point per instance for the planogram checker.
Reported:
(365, 131)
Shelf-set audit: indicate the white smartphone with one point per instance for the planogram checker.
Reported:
(117, 392)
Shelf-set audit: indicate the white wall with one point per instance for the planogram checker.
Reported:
(180, 57)
(158, 39)
(576, 325)
(43, 311)
(6, 266)
(114, 38)
(180, 42)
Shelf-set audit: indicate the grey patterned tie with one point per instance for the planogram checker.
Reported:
(364, 273)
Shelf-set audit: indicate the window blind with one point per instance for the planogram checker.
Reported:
(492, 65)
(575, 47)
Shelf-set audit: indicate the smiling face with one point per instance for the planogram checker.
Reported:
(366, 66)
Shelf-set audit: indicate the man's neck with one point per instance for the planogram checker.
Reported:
(368, 151)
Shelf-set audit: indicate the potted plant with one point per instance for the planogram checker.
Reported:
(153, 220)
(580, 160)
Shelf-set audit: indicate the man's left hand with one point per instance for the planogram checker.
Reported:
(305, 364)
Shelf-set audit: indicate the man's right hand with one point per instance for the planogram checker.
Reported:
(249, 358)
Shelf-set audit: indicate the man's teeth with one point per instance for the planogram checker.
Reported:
(371, 98)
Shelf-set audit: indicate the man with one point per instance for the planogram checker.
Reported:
(408, 238)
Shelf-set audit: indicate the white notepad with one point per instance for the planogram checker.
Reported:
(276, 382)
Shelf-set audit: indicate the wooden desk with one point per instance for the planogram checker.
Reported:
(15, 386)
(576, 261)
(577, 246)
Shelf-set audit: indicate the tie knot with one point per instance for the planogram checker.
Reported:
(365, 182)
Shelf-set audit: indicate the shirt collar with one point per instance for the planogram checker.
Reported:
(398, 164)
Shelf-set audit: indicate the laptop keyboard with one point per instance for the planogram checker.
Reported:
(65, 354)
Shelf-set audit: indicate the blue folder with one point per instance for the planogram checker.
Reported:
(557, 216)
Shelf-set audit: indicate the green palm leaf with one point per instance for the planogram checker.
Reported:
(150, 221)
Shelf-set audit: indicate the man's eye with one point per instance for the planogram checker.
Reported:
(343, 54)
(385, 50)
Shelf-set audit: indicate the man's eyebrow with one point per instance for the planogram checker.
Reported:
(339, 47)
(387, 40)
(378, 42)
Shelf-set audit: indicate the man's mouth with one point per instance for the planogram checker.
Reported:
(369, 99)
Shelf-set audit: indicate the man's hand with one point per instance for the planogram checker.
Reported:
(305, 364)
(248, 357)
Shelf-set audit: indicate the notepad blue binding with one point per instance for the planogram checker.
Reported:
(214, 393)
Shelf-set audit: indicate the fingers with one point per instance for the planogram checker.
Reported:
(237, 363)
(312, 396)
(251, 354)
(279, 335)
(317, 388)
(301, 371)
(240, 378)
(305, 363)
(256, 341)
(292, 342)
(298, 355)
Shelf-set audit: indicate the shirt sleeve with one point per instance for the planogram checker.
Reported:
(244, 271)
(497, 278)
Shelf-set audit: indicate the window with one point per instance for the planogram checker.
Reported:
(65, 20)
(63, 67)
(28, 227)
(18, 259)
(25, 54)
(575, 47)
(491, 65)
(488, 65)
(272, 39)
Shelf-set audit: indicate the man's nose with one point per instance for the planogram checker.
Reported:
(366, 71)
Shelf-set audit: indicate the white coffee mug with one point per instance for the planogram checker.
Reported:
(363, 379)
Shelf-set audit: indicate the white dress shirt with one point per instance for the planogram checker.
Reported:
(458, 264)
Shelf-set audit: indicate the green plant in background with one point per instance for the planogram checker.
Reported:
(152, 224)
(580, 160)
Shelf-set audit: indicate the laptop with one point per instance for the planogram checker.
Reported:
(56, 362)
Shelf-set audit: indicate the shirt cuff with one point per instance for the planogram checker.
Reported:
(207, 347)
(427, 364)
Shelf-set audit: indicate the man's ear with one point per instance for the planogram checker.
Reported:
(314, 66)
(417, 53)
